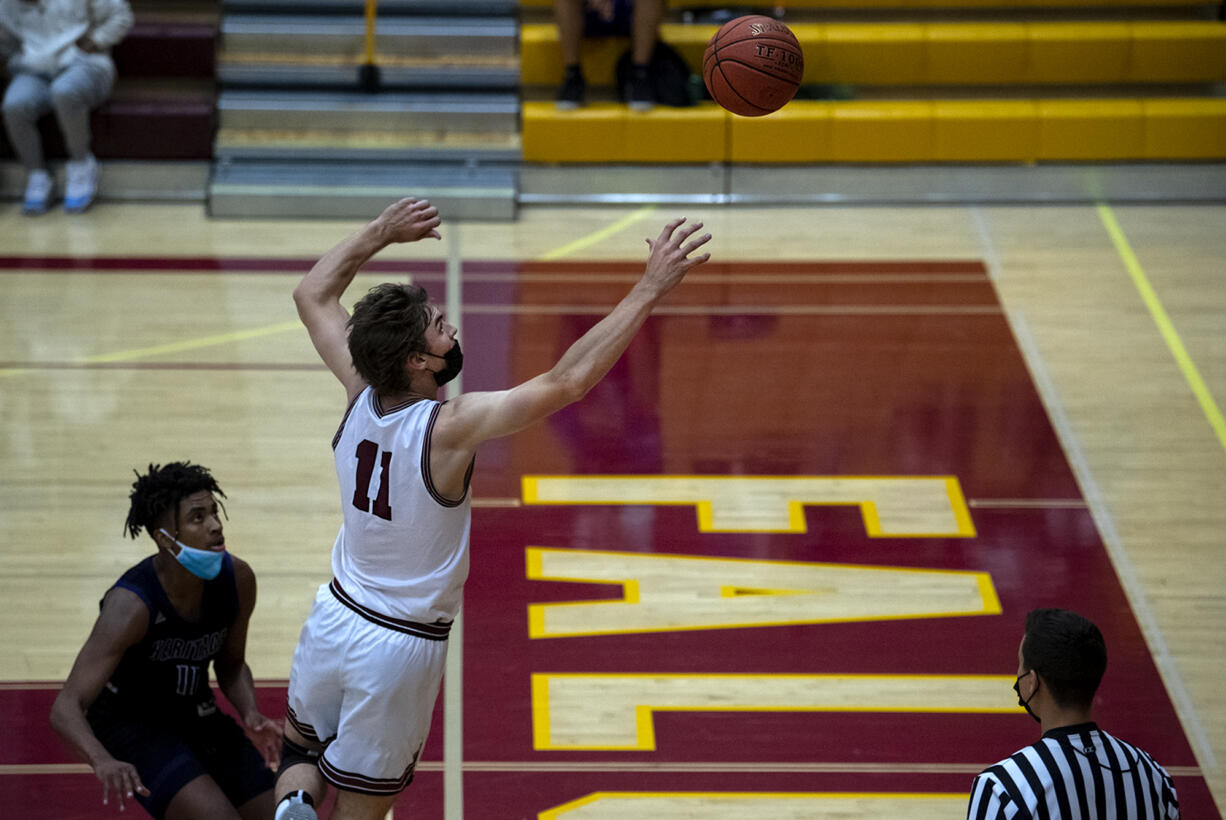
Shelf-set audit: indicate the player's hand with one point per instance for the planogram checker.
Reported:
(409, 220)
(670, 260)
(266, 736)
(121, 779)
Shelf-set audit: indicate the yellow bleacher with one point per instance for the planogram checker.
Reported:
(941, 53)
(1110, 115)
(884, 131)
(895, 5)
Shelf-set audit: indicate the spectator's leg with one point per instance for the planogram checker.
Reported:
(645, 27)
(568, 14)
(26, 100)
(79, 89)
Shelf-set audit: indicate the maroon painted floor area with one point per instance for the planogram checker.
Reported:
(789, 369)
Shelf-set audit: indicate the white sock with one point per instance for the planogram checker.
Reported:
(293, 798)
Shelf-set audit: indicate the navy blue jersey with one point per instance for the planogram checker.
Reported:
(166, 674)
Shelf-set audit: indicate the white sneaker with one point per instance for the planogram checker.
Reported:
(293, 807)
(82, 184)
(295, 811)
(39, 187)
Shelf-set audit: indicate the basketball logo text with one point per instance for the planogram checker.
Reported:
(762, 28)
(784, 58)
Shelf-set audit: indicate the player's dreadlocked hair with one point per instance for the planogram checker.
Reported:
(387, 325)
(161, 489)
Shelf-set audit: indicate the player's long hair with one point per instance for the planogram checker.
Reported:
(1068, 651)
(387, 325)
(161, 489)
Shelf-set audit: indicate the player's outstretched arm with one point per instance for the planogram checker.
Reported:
(121, 624)
(475, 417)
(319, 293)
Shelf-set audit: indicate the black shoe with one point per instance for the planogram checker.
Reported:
(570, 95)
(640, 91)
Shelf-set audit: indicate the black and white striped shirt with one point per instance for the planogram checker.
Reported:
(1075, 773)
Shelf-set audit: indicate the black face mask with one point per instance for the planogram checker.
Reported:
(1025, 704)
(453, 362)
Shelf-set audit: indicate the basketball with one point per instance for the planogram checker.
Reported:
(753, 65)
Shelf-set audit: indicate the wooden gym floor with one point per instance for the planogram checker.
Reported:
(776, 565)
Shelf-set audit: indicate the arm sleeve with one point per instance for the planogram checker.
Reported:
(9, 43)
(989, 801)
(112, 19)
(1170, 801)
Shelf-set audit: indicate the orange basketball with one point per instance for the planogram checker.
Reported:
(753, 65)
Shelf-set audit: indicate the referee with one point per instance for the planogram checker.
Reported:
(1076, 770)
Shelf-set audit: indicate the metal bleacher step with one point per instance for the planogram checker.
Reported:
(338, 111)
(387, 8)
(303, 132)
(402, 73)
(351, 145)
(326, 51)
(339, 190)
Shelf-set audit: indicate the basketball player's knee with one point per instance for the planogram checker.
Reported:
(294, 754)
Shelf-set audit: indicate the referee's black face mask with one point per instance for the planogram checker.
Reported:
(1025, 704)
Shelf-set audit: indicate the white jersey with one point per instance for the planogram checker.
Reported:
(402, 551)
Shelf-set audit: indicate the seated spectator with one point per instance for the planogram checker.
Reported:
(58, 55)
(608, 17)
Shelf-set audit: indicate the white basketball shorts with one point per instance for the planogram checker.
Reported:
(365, 690)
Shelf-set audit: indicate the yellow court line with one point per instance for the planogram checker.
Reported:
(644, 713)
(752, 676)
(631, 593)
(174, 347)
(1165, 326)
(594, 237)
(705, 507)
(556, 812)
(190, 344)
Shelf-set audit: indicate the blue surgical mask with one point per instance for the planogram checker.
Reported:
(204, 564)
